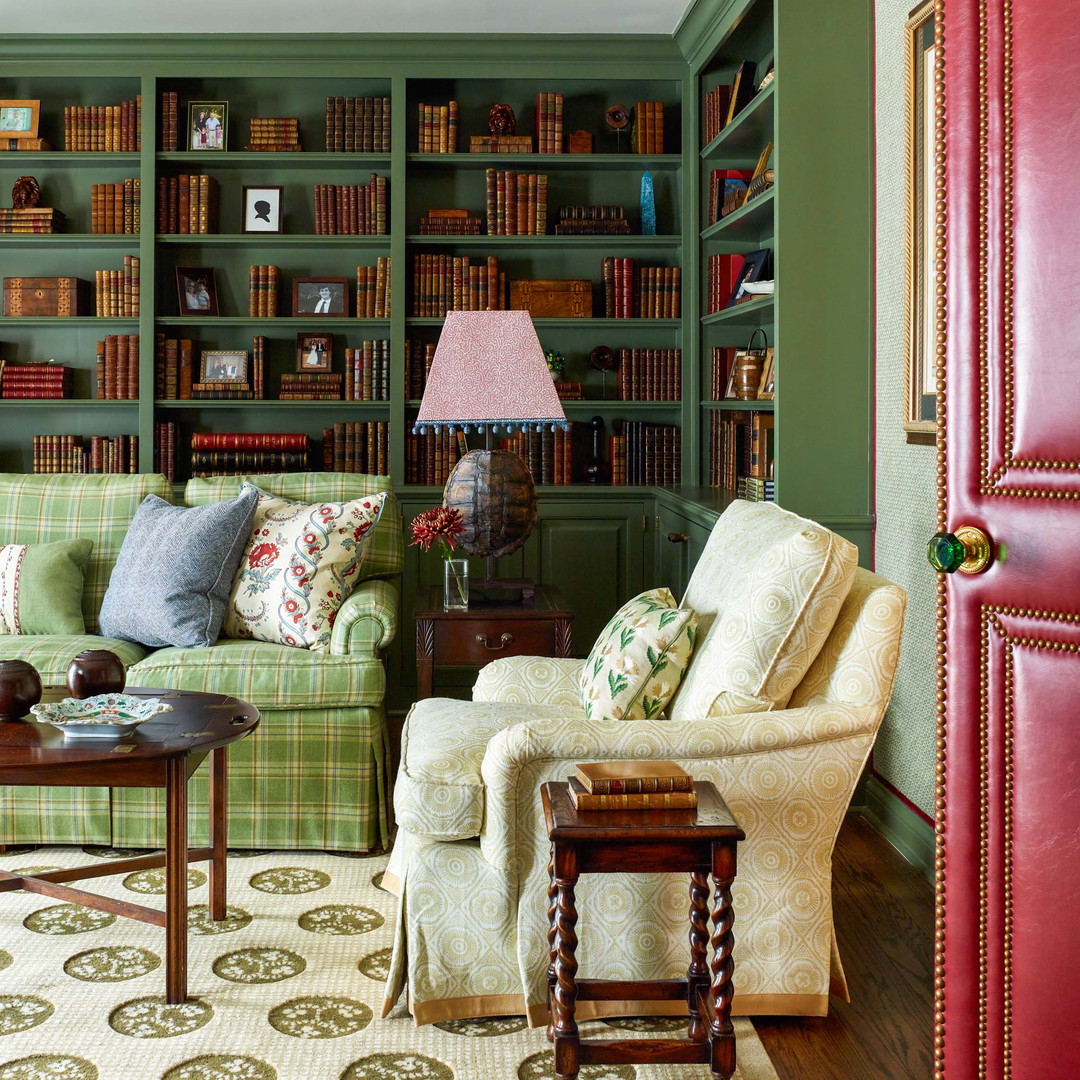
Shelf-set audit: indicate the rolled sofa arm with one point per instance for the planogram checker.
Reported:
(367, 622)
(534, 680)
(521, 757)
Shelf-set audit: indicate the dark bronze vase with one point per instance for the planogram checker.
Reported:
(20, 687)
(96, 671)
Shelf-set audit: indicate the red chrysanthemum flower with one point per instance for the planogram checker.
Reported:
(439, 525)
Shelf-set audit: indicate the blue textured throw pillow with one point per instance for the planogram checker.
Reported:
(171, 582)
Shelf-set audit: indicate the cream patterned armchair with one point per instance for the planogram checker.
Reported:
(794, 665)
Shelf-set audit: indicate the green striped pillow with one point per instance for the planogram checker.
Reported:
(41, 587)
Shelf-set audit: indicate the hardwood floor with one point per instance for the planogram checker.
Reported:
(884, 912)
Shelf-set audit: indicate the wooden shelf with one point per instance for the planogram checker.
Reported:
(224, 159)
(635, 162)
(69, 403)
(270, 240)
(68, 159)
(747, 134)
(299, 322)
(731, 405)
(75, 240)
(750, 313)
(628, 324)
(72, 321)
(669, 242)
(272, 404)
(750, 223)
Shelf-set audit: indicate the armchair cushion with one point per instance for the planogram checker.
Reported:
(766, 590)
(541, 680)
(439, 792)
(638, 659)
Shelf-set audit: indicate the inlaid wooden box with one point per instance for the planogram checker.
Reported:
(63, 296)
(567, 299)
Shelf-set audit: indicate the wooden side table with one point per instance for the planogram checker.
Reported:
(488, 631)
(701, 842)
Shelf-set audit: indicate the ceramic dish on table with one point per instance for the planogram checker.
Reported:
(105, 716)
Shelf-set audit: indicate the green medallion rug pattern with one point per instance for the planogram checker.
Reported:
(287, 987)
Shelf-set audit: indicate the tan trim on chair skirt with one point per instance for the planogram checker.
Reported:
(430, 1012)
(392, 884)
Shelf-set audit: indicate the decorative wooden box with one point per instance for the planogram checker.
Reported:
(63, 296)
(500, 144)
(568, 299)
(579, 142)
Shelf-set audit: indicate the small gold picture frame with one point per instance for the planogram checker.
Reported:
(19, 118)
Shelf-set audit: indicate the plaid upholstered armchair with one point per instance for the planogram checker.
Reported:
(793, 668)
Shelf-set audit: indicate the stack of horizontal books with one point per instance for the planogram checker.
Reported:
(632, 785)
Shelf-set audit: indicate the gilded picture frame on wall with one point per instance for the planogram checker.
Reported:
(920, 398)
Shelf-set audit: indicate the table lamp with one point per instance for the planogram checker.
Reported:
(489, 374)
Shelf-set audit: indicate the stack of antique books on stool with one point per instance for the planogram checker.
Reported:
(632, 785)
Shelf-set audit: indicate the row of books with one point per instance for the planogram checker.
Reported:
(449, 222)
(358, 125)
(117, 295)
(418, 358)
(549, 122)
(232, 462)
(367, 371)
(31, 219)
(648, 454)
(41, 380)
(165, 450)
(500, 144)
(740, 445)
(516, 203)
(444, 283)
(373, 289)
(592, 220)
(351, 209)
(645, 292)
(723, 103)
(263, 282)
(169, 121)
(187, 204)
(431, 457)
(104, 128)
(85, 454)
(437, 128)
(753, 489)
(310, 386)
(274, 134)
(723, 278)
(549, 454)
(650, 374)
(727, 190)
(632, 785)
(114, 208)
(360, 446)
(117, 368)
(176, 369)
(648, 127)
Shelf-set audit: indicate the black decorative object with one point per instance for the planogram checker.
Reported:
(96, 671)
(597, 471)
(20, 687)
(604, 359)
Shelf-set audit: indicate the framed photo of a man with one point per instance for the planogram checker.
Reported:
(263, 208)
(321, 296)
(19, 118)
(314, 352)
(207, 125)
(223, 365)
(196, 290)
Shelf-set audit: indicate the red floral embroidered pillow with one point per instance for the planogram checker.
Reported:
(299, 565)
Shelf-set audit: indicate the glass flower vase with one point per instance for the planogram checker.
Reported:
(455, 584)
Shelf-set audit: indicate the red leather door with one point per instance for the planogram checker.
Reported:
(1009, 454)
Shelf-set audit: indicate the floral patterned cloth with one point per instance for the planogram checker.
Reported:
(299, 566)
(639, 658)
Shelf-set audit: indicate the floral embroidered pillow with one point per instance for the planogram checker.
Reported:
(639, 658)
(299, 566)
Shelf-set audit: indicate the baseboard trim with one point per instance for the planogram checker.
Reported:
(905, 829)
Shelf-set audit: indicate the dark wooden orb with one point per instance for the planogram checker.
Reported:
(494, 491)
(20, 687)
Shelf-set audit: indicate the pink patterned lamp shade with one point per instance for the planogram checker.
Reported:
(488, 370)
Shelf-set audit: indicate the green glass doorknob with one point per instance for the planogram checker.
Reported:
(967, 550)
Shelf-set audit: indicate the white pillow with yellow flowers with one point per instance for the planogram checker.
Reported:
(639, 658)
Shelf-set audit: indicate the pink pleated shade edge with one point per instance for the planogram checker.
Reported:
(489, 368)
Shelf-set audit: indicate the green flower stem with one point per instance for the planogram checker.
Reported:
(447, 553)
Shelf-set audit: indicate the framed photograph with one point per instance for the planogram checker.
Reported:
(321, 296)
(208, 125)
(196, 290)
(263, 208)
(314, 352)
(754, 268)
(19, 118)
(920, 399)
(224, 365)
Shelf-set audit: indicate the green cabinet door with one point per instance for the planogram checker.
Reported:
(593, 553)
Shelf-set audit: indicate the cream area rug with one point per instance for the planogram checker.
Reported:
(289, 987)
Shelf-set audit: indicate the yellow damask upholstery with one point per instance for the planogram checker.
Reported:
(470, 861)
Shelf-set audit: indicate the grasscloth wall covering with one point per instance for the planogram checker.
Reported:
(904, 754)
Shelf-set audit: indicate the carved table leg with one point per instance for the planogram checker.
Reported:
(697, 974)
(219, 825)
(552, 952)
(425, 657)
(564, 994)
(721, 1033)
(176, 866)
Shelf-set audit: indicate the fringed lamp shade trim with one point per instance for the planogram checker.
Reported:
(488, 371)
(495, 425)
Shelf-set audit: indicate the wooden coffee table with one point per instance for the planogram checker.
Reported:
(161, 753)
(700, 842)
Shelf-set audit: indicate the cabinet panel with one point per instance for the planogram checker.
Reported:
(679, 544)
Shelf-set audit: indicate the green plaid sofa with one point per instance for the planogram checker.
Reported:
(314, 774)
